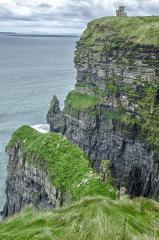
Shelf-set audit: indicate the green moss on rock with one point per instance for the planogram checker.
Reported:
(81, 84)
(80, 101)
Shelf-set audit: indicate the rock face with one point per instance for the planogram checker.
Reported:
(120, 76)
(27, 184)
(54, 114)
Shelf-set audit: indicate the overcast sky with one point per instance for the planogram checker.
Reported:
(64, 16)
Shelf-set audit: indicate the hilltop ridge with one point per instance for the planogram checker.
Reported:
(137, 30)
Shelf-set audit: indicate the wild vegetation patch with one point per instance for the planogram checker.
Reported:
(67, 166)
(80, 101)
(92, 218)
(140, 30)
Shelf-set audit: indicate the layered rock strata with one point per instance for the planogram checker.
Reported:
(27, 185)
(113, 111)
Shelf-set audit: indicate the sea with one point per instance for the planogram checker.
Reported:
(32, 70)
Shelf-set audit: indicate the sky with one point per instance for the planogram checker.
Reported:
(64, 16)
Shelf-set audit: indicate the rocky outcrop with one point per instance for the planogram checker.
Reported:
(27, 184)
(121, 72)
(47, 171)
(54, 114)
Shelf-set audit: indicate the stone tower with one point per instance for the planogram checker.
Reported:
(121, 12)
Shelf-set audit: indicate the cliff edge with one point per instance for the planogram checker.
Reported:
(47, 171)
(113, 111)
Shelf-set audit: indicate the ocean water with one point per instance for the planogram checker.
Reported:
(32, 70)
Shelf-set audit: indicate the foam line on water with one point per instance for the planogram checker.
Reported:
(42, 128)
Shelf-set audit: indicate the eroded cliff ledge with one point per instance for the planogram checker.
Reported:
(113, 111)
(47, 171)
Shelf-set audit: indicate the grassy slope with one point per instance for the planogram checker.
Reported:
(96, 218)
(80, 101)
(67, 165)
(140, 30)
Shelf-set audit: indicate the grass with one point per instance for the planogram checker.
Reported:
(81, 84)
(80, 101)
(138, 30)
(67, 166)
(93, 218)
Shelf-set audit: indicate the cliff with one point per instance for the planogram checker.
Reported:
(113, 116)
(113, 111)
(47, 171)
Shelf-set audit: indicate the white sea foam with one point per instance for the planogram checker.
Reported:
(42, 128)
